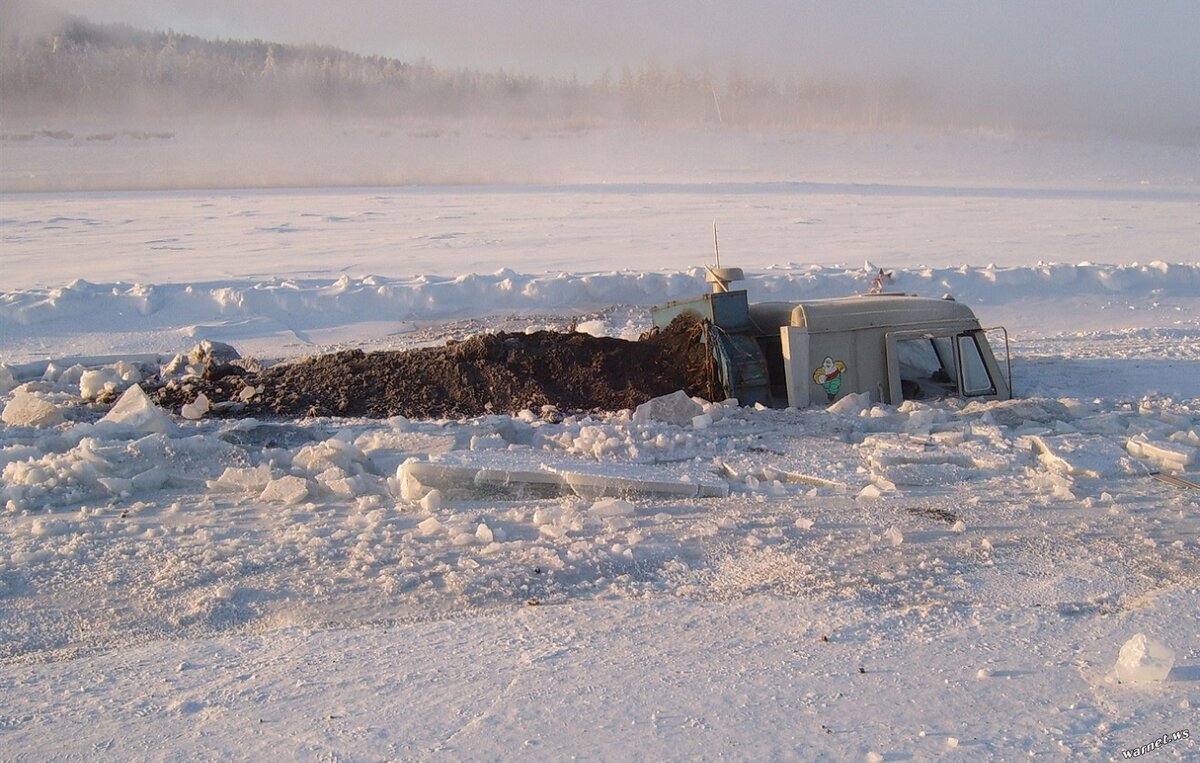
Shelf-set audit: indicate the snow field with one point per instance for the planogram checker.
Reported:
(182, 522)
(924, 581)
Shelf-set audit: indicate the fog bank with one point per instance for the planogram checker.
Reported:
(1101, 67)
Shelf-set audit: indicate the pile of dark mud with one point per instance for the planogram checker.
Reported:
(489, 373)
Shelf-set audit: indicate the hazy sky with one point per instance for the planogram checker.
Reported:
(1110, 60)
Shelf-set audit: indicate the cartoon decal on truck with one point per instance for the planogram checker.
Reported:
(829, 376)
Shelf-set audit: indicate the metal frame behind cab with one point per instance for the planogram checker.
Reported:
(794, 343)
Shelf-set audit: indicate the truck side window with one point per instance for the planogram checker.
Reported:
(975, 378)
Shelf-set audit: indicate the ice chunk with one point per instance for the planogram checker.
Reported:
(484, 534)
(429, 526)
(212, 353)
(347, 487)
(869, 493)
(432, 500)
(332, 453)
(612, 507)
(595, 328)
(205, 355)
(28, 410)
(703, 421)
(675, 408)
(241, 479)
(197, 408)
(1144, 659)
(488, 442)
(136, 411)
(287, 490)
(73, 375)
(893, 536)
(44, 528)
(98, 381)
(7, 379)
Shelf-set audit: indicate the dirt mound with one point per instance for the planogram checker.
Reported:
(499, 373)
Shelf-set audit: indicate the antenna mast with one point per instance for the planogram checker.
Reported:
(716, 245)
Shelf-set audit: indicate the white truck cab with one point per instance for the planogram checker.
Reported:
(893, 347)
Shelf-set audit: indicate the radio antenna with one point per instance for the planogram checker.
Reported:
(716, 245)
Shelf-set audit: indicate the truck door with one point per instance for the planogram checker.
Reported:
(927, 365)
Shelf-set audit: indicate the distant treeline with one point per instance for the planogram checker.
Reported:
(83, 68)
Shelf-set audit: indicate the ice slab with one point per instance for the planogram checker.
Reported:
(1172, 456)
(1078, 455)
(771, 473)
(472, 480)
(1144, 659)
(908, 459)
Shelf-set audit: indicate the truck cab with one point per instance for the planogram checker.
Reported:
(892, 347)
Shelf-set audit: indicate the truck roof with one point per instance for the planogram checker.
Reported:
(861, 311)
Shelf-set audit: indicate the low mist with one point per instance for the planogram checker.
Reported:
(302, 93)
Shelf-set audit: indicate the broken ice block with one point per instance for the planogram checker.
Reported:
(429, 526)
(1144, 659)
(195, 410)
(1163, 453)
(286, 490)
(869, 493)
(1079, 455)
(28, 410)
(432, 500)
(893, 536)
(137, 412)
(236, 478)
(612, 507)
(852, 404)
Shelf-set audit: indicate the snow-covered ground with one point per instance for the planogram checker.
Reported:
(928, 581)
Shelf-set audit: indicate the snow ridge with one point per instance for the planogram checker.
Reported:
(239, 309)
